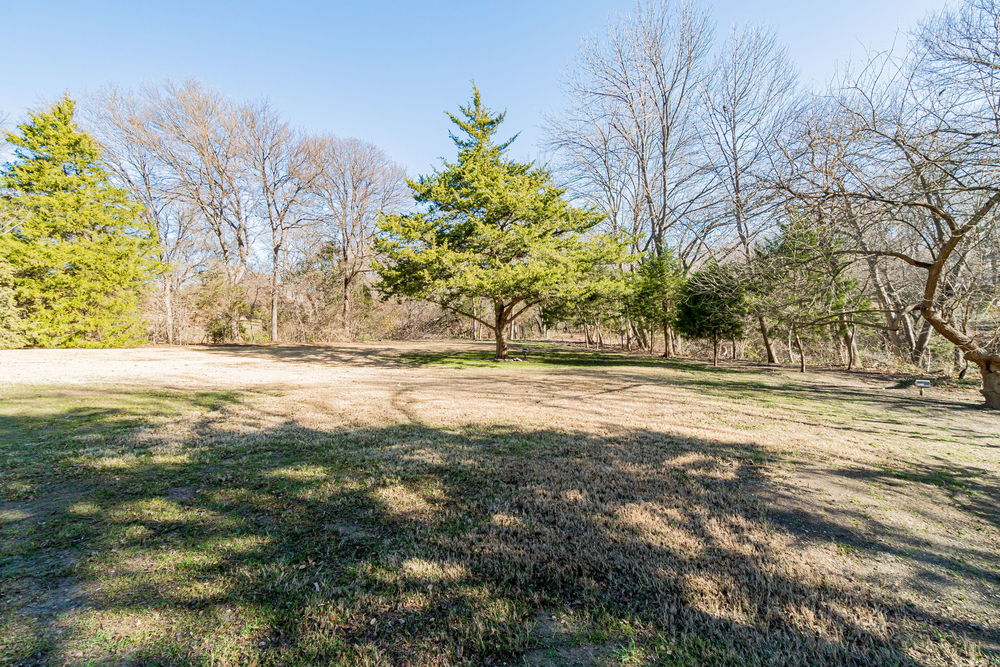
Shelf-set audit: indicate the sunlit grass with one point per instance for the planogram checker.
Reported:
(190, 527)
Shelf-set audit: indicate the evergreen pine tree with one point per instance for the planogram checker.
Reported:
(493, 228)
(713, 305)
(80, 252)
(656, 285)
(11, 326)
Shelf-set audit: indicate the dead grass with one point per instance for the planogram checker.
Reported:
(411, 505)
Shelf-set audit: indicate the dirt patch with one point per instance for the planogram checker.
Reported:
(58, 597)
(560, 647)
(573, 656)
(182, 493)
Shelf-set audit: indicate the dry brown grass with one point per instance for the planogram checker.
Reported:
(295, 505)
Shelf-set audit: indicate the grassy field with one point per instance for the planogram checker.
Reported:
(416, 504)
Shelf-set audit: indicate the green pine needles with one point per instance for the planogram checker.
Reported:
(491, 229)
(77, 253)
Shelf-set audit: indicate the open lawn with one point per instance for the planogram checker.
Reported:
(413, 504)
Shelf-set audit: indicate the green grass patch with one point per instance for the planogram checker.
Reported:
(208, 527)
(540, 355)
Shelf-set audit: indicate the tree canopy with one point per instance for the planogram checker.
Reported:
(79, 251)
(713, 305)
(491, 228)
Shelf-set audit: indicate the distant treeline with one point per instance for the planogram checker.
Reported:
(697, 193)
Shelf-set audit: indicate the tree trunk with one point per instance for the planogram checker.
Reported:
(275, 286)
(840, 340)
(768, 345)
(920, 345)
(853, 358)
(234, 324)
(961, 364)
(802, 354)
(500, 331)
(668, 342)
(274, 307)
(715, 352)
(345, 308)
(990, 370)
(501, 344)
(168, 310)
(904, 322)
(734, 349)
(638, 335)
(989, 364)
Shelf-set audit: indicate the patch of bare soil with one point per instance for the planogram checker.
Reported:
(558, 648)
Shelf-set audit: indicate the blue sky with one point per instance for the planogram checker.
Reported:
(380, 70)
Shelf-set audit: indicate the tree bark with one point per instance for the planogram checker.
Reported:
(275, 284)
(274, 310)
(853, 358)
(345, 308)
(990, 370)
(802, 354)
(715, 352)
(234, 324)
(960, 363)
(668, 341)
(920, 345)
(168, 309)
(768, 345)
(500, 331)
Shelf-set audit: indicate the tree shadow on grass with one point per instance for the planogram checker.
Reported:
(407, 544)
(974, 489)
(745, 380)
(851, 408)
(345, 354)
(457, 354)
(560, 356)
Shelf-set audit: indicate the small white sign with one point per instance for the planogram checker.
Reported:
(922, 383)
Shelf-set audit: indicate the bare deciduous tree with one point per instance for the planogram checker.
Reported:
(915, 175)
(356, 183)
(131, 150)
(746, 100)
(630, 140)
(284, 170)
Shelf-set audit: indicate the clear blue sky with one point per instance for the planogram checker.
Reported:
(380, 70)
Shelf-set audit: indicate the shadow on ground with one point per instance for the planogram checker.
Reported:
(231, 543)
(460, 354)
